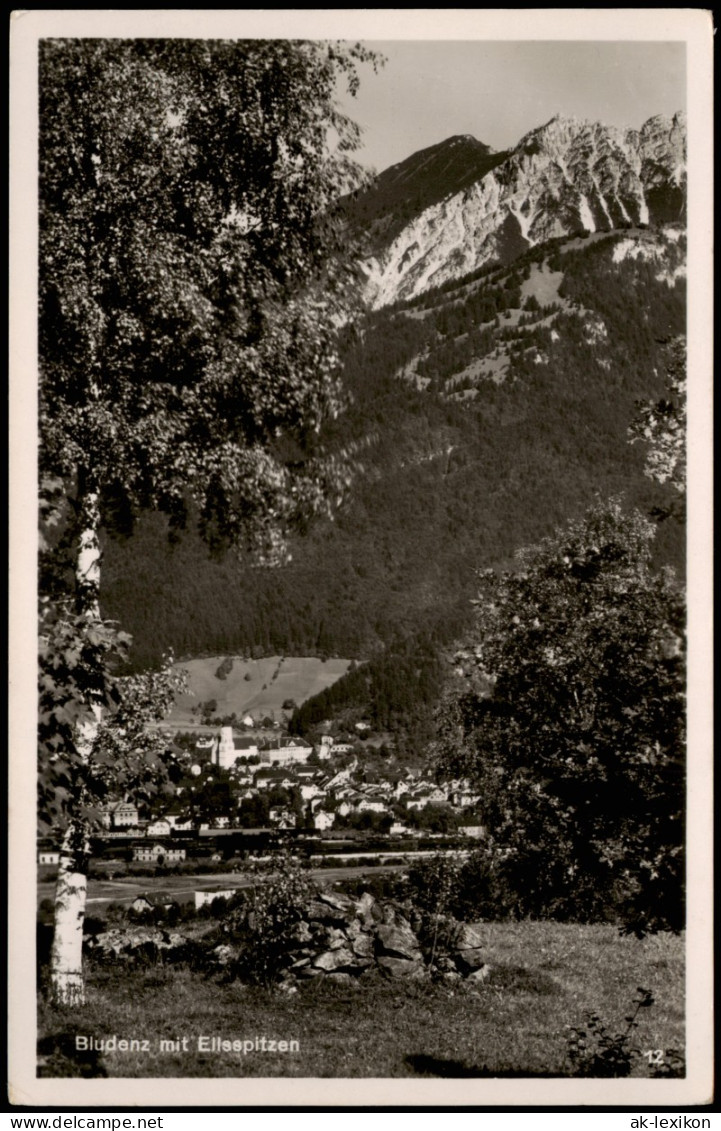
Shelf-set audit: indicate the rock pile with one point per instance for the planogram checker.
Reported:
(139, 944)
(341, 938)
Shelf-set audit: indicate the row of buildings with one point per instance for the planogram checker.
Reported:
(324, 794)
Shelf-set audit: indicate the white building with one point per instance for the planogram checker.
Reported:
(152, 853)
(399, 829)
(323, 820)
(201, 898)
(120, 815)
(341, 748)
(161, 827)
(285, 752)
(226, 748)
(309, 790)
(371, 804)
(326, 745)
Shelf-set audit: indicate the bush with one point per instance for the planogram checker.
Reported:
(265, 925)
(94, 925)
(466, 889)
(381, 887)
(225, 668)
(593, 1051)
(46, 911)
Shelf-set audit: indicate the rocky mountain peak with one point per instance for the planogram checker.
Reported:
(412, 186)
(457, 205)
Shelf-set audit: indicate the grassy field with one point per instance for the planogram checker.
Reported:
(544, 977)
(256, 686)
(181, 887)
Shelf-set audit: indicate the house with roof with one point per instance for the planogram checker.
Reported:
(424, 795)
(371, 805)
(120, 815)
(399, 829)
(350, 803)
(159, 827)
(285, 751)
(309, 773)
(148, 901)
(202, 898)
(158, 853)
(463, 797)
(326, 746)
(273, 778)
(204, 750)
(179, 822)
(309, 790)
(323, 820)
(278, 813)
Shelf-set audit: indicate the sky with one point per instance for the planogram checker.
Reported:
(498, 91)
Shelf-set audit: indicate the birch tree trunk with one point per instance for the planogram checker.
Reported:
(66, 956)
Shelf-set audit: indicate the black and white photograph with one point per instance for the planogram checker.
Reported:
(360, 587)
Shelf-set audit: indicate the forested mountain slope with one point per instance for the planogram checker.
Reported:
(487, 413)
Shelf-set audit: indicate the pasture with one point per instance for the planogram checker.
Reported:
(258, 687)
(545, 977)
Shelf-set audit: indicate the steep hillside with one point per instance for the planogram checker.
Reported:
(451, 209)
(498, 406)
(425, 178)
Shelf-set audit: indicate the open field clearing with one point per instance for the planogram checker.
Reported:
(259, 687)
(544, 977)
(181, 888)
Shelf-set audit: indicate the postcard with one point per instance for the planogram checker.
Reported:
(361, 469)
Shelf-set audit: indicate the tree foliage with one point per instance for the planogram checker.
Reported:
(85, 763)
(573, 725)
(662, 424)
(190, 290)
(190, 294)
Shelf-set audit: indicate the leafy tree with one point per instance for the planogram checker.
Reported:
(573, 725)
(213, 799)
(95, 746)
(191, 287)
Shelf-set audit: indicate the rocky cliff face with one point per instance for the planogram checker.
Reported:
(469, 206)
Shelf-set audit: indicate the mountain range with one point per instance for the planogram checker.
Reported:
(518, 303)
(456, 206)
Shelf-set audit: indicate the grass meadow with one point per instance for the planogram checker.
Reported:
(544, 978)
(258, 686)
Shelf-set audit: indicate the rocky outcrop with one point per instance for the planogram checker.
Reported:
(340, 938)
(344, 937)
(562, 178)
(139, 945)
